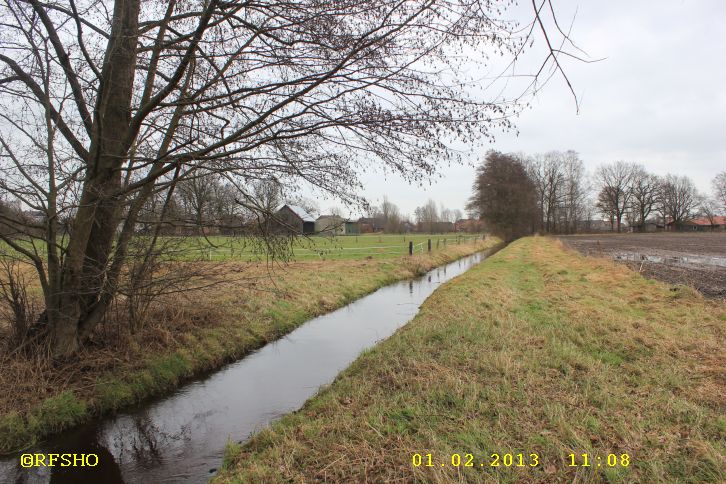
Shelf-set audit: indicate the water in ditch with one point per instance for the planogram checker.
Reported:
(182, 437)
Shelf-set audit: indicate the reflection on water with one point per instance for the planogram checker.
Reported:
(181, 438)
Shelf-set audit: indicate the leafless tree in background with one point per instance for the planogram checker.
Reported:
(391, 218)
(547, 173)
(709, 208)
(719, 189)
(680, 199)
(646, 189)
(616, 193)
(561, 189)
(575, 192)
(427, 216)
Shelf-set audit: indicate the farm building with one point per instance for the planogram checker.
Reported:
(701, 224)
(336, 225)
(330, 225)
(295, 220)
(648, 226)
(352, 227)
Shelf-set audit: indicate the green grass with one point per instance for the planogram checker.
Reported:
(192, 336)
(383, 246)
(537, 350)
(349, 247)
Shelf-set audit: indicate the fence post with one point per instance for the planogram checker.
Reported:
(437, 243)
(429, 245)
(410, 247)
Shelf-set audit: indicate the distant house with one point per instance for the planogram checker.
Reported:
(295, 220)
(330, 225)
(648, 226)
(701, 224)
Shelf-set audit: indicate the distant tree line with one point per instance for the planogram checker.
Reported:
(517, 194)
(428, 218)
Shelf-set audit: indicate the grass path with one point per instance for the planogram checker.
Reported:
(191, 334)
(536, 351)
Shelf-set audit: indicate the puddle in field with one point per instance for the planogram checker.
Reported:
(182, 437)
(685, 260)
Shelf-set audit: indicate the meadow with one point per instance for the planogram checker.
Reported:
(308, 248)
(347, 247)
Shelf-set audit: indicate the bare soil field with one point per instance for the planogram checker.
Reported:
(694, 259)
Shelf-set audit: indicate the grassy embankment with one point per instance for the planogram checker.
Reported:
(537, 350)
(190, 335)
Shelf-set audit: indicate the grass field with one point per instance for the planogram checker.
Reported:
(383, 246)
(190, 333)
(538, 350)
(349, 247)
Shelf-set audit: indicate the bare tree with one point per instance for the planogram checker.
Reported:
(709, 208)
(427, 216)
(574, 192)
(719, 189)
(646, 189)
(547, 173)
(390, 215)
(561, 189)
(680, 199)
(107, 104)
(197, 196)
(616, 192)
(456, 215)
(266, 196)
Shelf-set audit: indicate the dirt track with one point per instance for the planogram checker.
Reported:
(695, 259)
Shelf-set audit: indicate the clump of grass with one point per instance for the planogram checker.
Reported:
(537, 350)
(53, 414)
(14, 431)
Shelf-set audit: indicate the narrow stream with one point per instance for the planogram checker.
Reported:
(182, 437)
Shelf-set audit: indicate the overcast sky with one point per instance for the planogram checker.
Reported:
(658, 98)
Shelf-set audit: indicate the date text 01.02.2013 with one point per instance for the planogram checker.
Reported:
(471, 460)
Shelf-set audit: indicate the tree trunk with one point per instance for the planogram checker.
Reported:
(94, 227)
